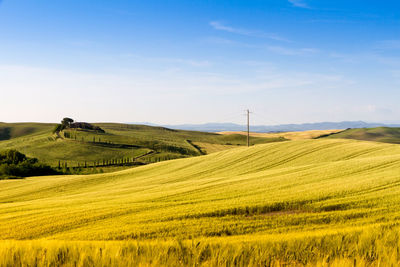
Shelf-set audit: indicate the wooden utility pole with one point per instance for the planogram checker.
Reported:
(248, 128)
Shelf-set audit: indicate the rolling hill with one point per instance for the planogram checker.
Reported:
(290, 135)
(14, 130)
(270, 200)
(120, 141)
(380, 134)
(229, 127)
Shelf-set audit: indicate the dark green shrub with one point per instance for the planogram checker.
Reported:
(16, 164)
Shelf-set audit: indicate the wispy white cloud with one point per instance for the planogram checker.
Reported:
(91, 96)
(193, 63)
(292, 51)
(182, 61)
(299, 3)
(218, 40)
(277, 49)
(219, 26)
(342, 21)
(222, 27)
(54, 83)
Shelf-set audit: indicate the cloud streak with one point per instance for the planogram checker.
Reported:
(299, 3)
(222, 27)
(89, 93)
(190, 62)
(182, 61)
(292, 51)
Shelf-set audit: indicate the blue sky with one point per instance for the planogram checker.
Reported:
(175, 62)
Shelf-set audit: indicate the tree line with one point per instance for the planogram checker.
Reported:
(14, 164)
(98, 163)
(68, 123)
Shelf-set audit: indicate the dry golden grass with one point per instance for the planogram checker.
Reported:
(308, 202)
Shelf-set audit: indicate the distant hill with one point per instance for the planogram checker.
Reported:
(312, 134)
(222, 127)
(379, 134)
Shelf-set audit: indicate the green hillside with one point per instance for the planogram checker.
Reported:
(380, 134)
(270, 200)
(15, 130)
(119, 142)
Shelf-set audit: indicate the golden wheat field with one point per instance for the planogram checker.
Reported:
(329, 202)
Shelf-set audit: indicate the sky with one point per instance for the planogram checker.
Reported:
(173, 62)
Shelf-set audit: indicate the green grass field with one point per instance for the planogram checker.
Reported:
(147, 144)
(312, 134)
(309, 202)
(380, 134)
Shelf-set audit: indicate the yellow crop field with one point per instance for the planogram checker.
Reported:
(309, 202)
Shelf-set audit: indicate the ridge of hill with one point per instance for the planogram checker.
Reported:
(14, 130)
(228, 127)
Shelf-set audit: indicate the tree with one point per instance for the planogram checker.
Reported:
(12, 156)
(16, 164)
(67, 121)
(57, 128)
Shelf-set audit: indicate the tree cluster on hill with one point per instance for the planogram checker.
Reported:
(86, 126)
(14, 164)
(68, 123)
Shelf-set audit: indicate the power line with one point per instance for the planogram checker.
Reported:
(248, 127)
